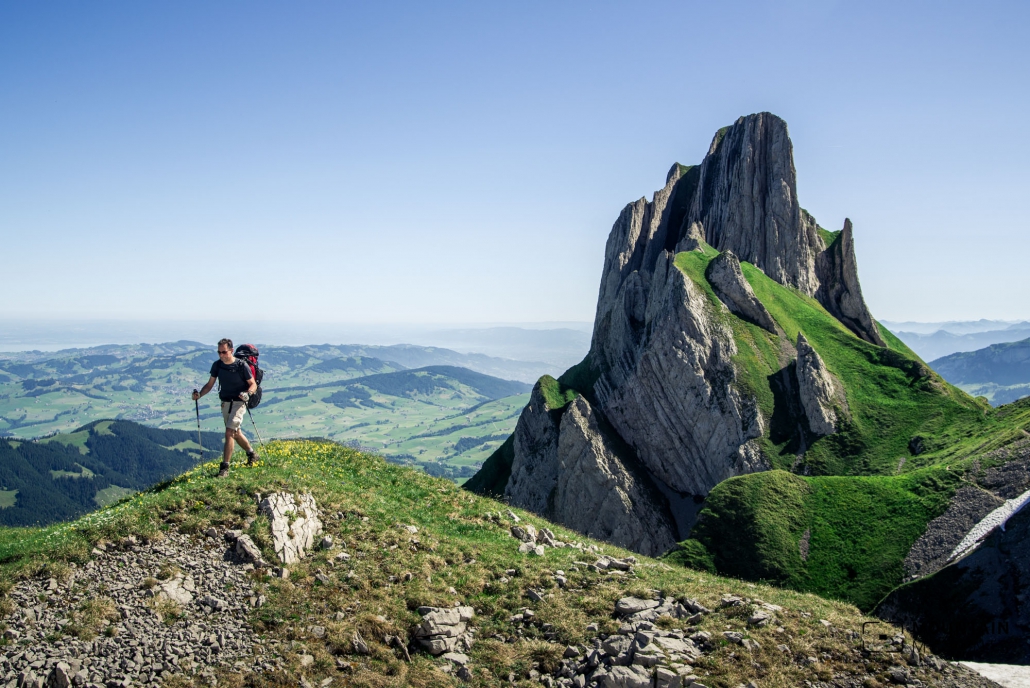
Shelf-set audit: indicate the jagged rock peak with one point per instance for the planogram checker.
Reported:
(746, 200)
(727, 280)
(816, 388)
(839, 290)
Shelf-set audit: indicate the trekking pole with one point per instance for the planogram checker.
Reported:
(261, 442)
(196, 405)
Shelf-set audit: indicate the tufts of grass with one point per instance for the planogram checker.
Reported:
(91, 616)
(556, 395)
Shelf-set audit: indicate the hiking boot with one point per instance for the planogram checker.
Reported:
(252, 458)
(223, 470)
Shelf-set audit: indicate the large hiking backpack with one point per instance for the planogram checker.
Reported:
(248, 353)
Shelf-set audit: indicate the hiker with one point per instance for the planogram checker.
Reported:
(235, 385)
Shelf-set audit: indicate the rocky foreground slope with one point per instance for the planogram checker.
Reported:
(404, 580)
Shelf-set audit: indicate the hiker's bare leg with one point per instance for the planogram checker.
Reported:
(242, 441)
(229, 445)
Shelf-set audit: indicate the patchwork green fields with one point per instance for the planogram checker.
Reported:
(444, 418)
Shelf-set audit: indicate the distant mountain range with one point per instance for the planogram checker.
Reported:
(934, 340)
(1000, 372)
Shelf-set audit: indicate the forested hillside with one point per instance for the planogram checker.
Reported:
(64, 476)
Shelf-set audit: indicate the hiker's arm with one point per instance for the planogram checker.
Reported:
(253, 386)
(206, 388)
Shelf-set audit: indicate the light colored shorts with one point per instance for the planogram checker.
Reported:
(232, 414)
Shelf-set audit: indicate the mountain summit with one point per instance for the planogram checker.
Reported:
(663, 412)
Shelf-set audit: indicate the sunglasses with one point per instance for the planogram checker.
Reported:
(224, 351)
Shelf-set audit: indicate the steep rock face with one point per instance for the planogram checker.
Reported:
(746, 200)
(933, 549)
(839, 290)
(672, 398)
(816, 388)
(602, 494)
(727, 279)
(534, 470)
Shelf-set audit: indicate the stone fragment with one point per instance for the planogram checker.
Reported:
(761, 617)
(359, 644)
(178, 589)
(326, 542)
(248, 551)
(627, 677)
(631, 605)
(60, 676)
(213, 603)
(441, 628)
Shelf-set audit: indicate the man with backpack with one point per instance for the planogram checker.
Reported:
(236, 384)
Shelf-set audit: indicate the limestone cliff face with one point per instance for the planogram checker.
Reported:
(727, 280)
(667, 416)
(818, 392)
(604, 495)
(670, 393)
(534, 470)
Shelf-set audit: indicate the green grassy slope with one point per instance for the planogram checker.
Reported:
(837, 536)
(462, 553)
(871, 495)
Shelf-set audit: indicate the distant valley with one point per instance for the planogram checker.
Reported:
(1000, 372)
(427, 406)
(65, 476)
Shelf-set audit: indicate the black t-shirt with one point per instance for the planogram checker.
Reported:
(233, 378)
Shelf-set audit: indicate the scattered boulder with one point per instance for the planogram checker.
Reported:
(442, 628)
(248, 551)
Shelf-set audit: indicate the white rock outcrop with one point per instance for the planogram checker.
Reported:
(295, 524)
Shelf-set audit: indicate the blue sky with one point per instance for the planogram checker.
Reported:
(402, 162)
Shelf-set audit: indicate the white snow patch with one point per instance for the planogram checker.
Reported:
(1008, 675)
(996, 518)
